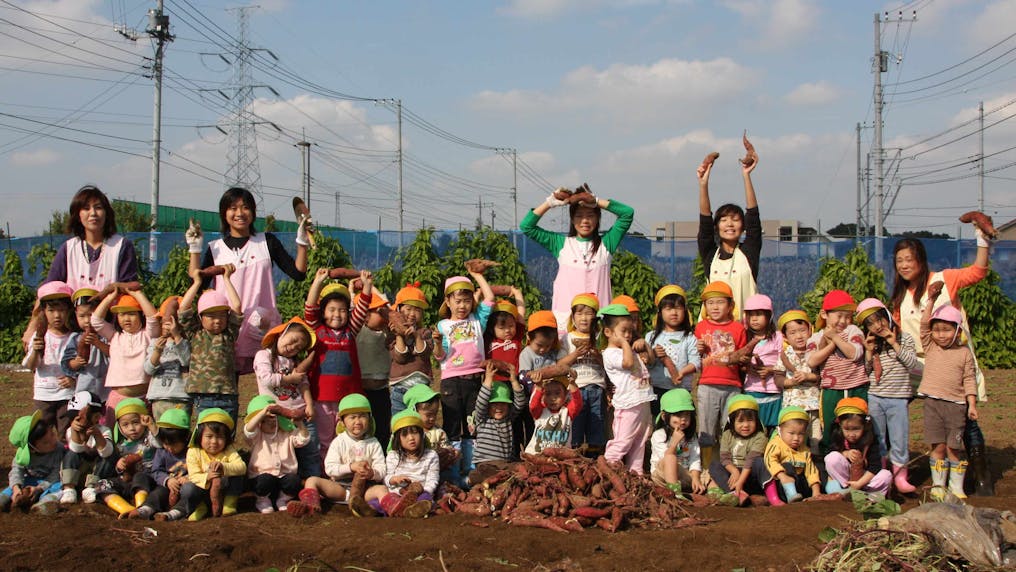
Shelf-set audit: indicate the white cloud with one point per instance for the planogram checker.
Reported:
(993, 23)
(815, 93)
(779, 23)
(633, 93)
(41, 40)
(549, 9)
(38, 158)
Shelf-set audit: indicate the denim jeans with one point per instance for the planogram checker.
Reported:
(588, 425)
(308, 457)
(891, 420)
(398, 391)
(228, 402)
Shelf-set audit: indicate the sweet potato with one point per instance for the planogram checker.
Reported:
(607, 472)
(293, 413)
(562, 194)
(217, 270)
(579, 501)
(536, 522)
(561, 453)
(343, 273)
(710, 159)
(749, 158)
(474, 508)
(502, 290)
(591, 512)
(480, 265)
(569, 524)
(575, 478)
(118, 286)
(499, 365)
(981, 221)
(85, 348)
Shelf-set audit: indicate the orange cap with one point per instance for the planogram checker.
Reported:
(273, 334)
(541, 319)
(126, 303)
(376, 301)
(412, 295)
(854, 405)
(627, 301)
(717, 289)
(165, 305)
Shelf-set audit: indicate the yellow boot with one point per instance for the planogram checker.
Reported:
(118, 504)
(139, 498)
(229, 505)
(198, 513)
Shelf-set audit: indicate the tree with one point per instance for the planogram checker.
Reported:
(923, 234)
(291, 294)
(630, 275)
(129, 218)
(40, 258)
(849, 230)
(855, 274)
(16, 301)
(172, 280)
(57, 223)
(270, 223)
(492, 245)
(992, 318)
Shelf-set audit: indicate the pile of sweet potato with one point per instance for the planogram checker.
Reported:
(562, 491)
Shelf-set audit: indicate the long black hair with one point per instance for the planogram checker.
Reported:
(867, 437)
(572, 231)
(670, 301)
(880, 344)
(690, 433)
(919, 281)
(397, 440)
(768, 332)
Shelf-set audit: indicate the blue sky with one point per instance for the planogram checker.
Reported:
(627, 95)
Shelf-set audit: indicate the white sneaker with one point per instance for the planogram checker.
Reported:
(68, 496)
(264, 505)
(282, 501)
(88, 495)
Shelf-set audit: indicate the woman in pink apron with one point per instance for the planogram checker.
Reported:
(253, 255)
(583, 257)
(725, 257)
(909, 298)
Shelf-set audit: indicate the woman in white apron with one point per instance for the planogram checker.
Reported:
(253, 255)
(725, 257)
(95, 256)
(583, 256)
(909, 298)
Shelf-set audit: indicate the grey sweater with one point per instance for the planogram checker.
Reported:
(494, 436)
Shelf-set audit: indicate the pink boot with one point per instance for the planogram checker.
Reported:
(772, 495)
(900, 480)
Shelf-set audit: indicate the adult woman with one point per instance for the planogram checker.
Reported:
(909, 299)
(583, 256)
(253, 255)
(728, 259)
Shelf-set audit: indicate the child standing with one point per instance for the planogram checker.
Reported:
(855, 462)
(743, 440)
(411, 470)
(169, 467)
(168, 357)
(52, 389)
(949, 386)
(544, 348)
(336, 371)
(554, 405)
(889, 355)
(376, 361)
(674, 357)
(128, 342)
(461, 357)
(89, 370)
(411, 345)
(676, 459)
(502, 340)
(212, 331)
(89, 448)
(34, 480)
(273, 443)
(800, 385)
(759, 382)
(496, 409)
(584, 357)
(838, 348)
(215, 470)
(280, 377)
(632, 391)
(719, 336)
(787, 461)
(427, 404)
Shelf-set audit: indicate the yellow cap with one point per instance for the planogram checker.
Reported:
(668, 290)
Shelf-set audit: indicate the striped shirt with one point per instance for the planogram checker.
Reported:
(949, 373)
(896, 366)
(494, 436)
(838, 372)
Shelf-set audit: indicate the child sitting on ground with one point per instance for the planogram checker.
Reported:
(89, 448)
(169, 467)
(273, 440)
(136, 445)
(855, 463)
(34, 480)
(676, 459)
(743, 440)
(411, 470)
(496, 408)
(554, 404)
(355, 459)
(787, 461)
(427, 404)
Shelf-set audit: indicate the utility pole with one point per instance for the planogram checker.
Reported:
(338, 215)
(492, 215)
(305, 163)
(158, 30)
(479, 213)
(857, 228)
(398, 104)
(980, 193)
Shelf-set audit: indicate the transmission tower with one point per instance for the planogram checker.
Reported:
(243, 168)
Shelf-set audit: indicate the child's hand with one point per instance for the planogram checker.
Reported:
(659, 351)
(696, 485)
(436, 334)
(148, 421)
(398, 480)
(160, 343)
(367, 277)
(798, 378)
(308, 412)
(214, 470)
(174, 483)
(491, 370)
(639, 345)
(38, 344)
(869, 343)
(357, 466)
(320, 275)
(972, 412)
(852, 455)
(829, 334)
(229, 270)
(65, 382)
(513, 373)
(890, 338)
(732, 481)
(934, 289)
(94, 431)
(121, 464)
(700, 345)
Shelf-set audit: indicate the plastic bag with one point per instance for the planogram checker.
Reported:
(972, 534)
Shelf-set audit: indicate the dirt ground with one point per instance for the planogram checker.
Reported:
(781, 538)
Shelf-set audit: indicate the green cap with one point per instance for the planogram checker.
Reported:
(500, 393)
(741, 401)
(20, 431)
(675, 401)
(614, 310)
(174, 419)
(126, 407)
(259, 402)
(355, 403)
(212, 414)
(417, 394)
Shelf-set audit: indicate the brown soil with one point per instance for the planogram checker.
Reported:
(782, 538)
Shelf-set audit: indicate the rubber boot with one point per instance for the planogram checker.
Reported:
(309, 503)
(833, 486)
(676, 489)
(140, 497)
(772, 494)
(229, 505)
(900, 481)
(118, 504)
(357, 503)
(48, 505)
(406, 500)
(939, 476)
(983, 487)
(199, 513)
(389, 502)
(957, 473)
(467, 460)
(790, 490)
(216, 492)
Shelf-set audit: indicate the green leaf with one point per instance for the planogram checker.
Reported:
(827, 534)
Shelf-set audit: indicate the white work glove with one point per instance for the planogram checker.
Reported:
(194, 238)
(982, 240)
(553, 201)
(302, 238)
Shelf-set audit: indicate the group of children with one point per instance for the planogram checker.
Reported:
(346, 412)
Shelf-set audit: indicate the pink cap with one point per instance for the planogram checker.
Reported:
(948, 313)
(212, 301)
(53, 290)
(758, 302)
